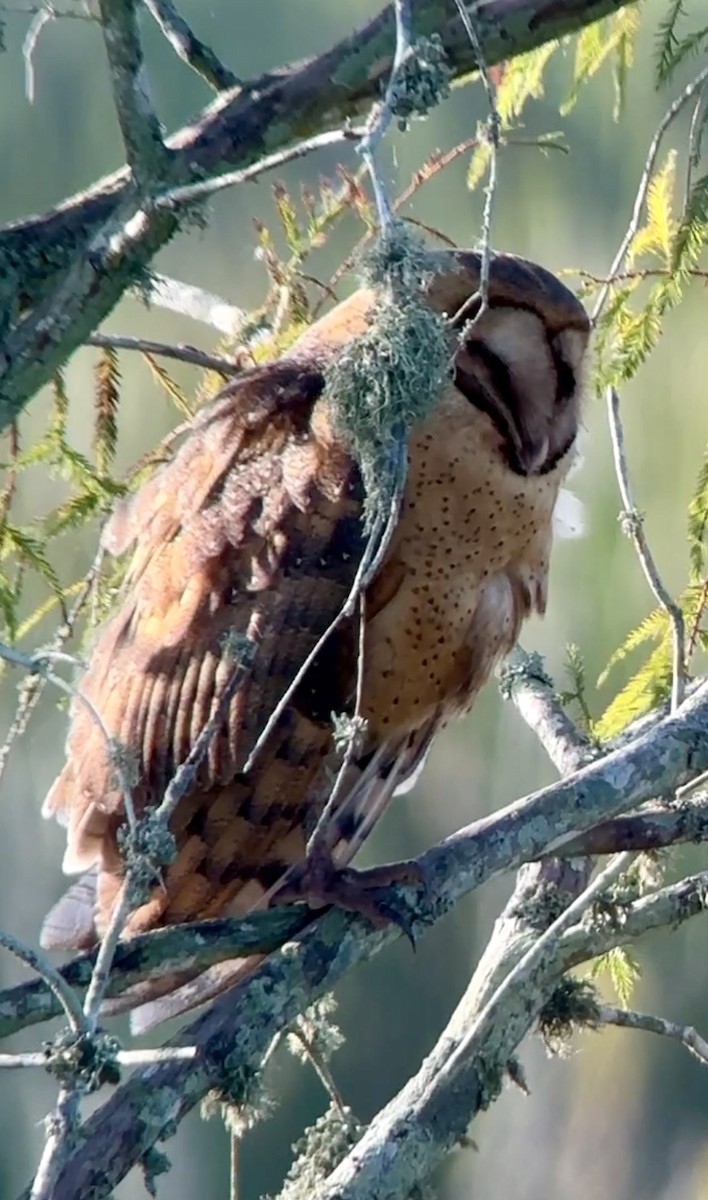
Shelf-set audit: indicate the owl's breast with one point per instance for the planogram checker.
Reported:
(467, 563)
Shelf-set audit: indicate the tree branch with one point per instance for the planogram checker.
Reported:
(58, 261)
(187, 46)
(188, 354)
(142, 136)
(233, 1035)
(609, 1014)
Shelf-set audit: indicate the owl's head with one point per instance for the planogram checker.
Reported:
(522, 360)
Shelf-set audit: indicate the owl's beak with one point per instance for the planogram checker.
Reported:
(532, 456)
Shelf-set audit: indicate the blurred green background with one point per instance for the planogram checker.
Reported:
(626, 1116)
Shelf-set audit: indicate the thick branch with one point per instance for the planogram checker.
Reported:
(500, 842)
(234, 1034)
(432, 1112)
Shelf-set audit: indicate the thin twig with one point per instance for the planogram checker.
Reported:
(651, 829)
(640, 273)
(187, 46)
(178, 196)
(184, 778)
(35, 683)
(669, 116)
(36, 664)
(608, 1014)
(696, 622)
(693, 785)
(319, 1064)
(377, 544)
(493, 132)
(104, 959)
(8, 492)
(182, 353)
(543, 947)
(430, 168)
(382, 115)
(182, 782)
(124, 1058)
(318, 839)
(42, 17)
(31, 10)
(693, 152)
(52, 977)
(633, 525)
(523, 679)
(61, 1125)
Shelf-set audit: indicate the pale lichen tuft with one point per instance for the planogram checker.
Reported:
(390, 377)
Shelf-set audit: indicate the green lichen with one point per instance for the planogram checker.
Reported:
(84, 1058)
(319, 1152)
(390, 378)
(421, 82)
(531, 670)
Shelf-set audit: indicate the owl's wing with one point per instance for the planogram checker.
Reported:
(253, 531)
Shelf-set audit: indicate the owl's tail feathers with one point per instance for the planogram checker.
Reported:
(70, 925)
(187, 991)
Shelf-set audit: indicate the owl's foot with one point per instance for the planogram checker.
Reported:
(362, 891)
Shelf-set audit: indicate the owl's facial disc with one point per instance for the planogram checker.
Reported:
(526, 381)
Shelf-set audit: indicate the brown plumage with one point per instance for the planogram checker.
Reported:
(255, 527)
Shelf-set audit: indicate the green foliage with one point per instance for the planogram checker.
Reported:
(651, 683)
(698, 523)
(521, 80)
(92, 493)
(663, 258)
(622, 970)
(610, 39)
(106, 408)
(664, 255)
(577, 692)
(173, 390)
(673, 48)
(692, 232)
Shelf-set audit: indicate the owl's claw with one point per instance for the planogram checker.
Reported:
(365, 891)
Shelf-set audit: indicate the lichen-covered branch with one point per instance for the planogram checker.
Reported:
(139, 126)
(234, 1034)
(523, 680)
(432, 1112)
(58, 262)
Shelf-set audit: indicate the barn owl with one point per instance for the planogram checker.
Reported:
(255, 528)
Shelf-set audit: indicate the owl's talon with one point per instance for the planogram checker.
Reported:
(364, 891)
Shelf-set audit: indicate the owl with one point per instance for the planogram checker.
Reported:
(253, 535)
